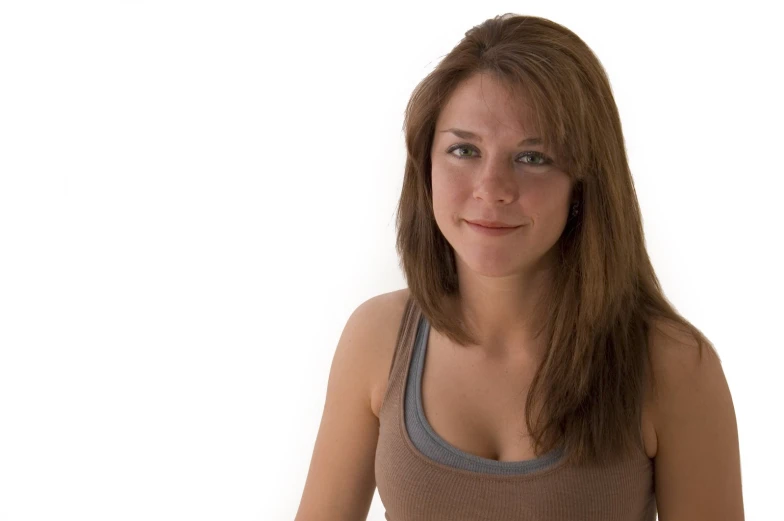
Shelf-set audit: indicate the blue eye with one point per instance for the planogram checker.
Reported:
(541, 159)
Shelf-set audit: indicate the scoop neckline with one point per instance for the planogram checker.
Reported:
(546, 463)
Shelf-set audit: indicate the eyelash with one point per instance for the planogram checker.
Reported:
(546, 160)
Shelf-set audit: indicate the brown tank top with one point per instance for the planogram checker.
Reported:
(421, 477)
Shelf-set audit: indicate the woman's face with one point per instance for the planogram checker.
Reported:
(495, 176)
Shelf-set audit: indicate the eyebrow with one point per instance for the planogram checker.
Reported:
(465, 134)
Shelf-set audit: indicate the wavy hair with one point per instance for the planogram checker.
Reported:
(605, 298)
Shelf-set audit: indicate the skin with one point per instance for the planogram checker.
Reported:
(693, 435)
(690, 429)
(500, 277)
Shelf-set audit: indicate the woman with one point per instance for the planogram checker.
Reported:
(532, 369)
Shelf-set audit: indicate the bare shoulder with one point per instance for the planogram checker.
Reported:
(676, 354)
(341, 480)
(676, 363)
(383, 315)
(368, 338)
(697, 464)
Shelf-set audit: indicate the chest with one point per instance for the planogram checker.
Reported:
(478, 405)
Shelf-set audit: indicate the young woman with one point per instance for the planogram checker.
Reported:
(533, 368)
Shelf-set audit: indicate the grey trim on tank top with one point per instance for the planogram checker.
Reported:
(429, 443)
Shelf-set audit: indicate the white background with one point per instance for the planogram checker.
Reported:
(194, 197)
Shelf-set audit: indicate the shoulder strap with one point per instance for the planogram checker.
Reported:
(405, 330)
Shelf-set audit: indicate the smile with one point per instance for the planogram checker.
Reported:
(492, 231)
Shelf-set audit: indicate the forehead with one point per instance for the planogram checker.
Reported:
(483, 104)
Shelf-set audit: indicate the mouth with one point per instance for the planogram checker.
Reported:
(492, 230)
(492, 226)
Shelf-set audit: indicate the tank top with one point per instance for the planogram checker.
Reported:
(421, 477)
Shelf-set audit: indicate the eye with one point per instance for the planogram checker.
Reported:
(538, 158)
(460, 147)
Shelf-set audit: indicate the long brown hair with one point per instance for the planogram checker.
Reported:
(605, 298)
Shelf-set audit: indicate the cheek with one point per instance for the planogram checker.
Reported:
(542, 205)
(447, 194)
(549, 199)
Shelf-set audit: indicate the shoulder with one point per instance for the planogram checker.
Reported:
(697, 460)
(676, 360)
(367, 343)
(379, 319)
(381, 305)
(677, 357)
(689, 381)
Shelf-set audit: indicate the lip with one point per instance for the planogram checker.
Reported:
(491, 224)
(492, 231)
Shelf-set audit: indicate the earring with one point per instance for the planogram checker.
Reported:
(575, 209)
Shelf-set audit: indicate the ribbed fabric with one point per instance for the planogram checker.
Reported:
(421, 477)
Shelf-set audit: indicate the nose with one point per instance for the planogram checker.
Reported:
(496, 183)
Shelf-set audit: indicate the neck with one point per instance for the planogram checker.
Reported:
(500, 311)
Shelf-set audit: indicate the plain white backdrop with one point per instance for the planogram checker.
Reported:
(194, 197)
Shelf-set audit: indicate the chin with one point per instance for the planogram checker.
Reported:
(495, 264)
